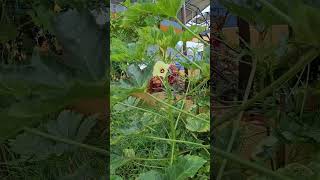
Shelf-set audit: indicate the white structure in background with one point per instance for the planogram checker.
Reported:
(192, 48)
(206, 11)
(116, 8)
(194, 51)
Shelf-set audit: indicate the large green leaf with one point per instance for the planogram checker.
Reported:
(252, 13)
(37, 76)
(36, 107)
(117, 162)
(49, 83)
(120, 108)
(162, 8)
(56, 101)
(170, 8)
(83, 41)
(306, 25)
(185, 167)
(115, 177)
(155, 36)
(135, 12)
(119, 50)
(138, 79)
(136, 83)
(150, 175)
(119, 93)
(68, 125)
(187, 35)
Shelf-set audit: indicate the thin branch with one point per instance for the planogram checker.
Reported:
(304, 60)
(177, 109)
(251, 165)
(66, 141)
(236, 124)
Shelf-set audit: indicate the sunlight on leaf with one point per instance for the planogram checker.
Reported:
(185, 167)
(150, 175)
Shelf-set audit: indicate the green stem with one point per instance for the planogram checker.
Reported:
(306, 59)
(217, 151)
(182, 106)
(198, 86)
(25, 23)
(189, 30)
(141, 109)
(305, 93)
(66, 141)
(177, 109)
(179, 141)
(158, 167)
(251, 165)
(236, 124)
(297, 83)
(231, 157)
(147, 159)
(173, 132)
(185, 57)
(173, 128)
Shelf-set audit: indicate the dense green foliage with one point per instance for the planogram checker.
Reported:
(283, 96)
(165, 140)
(53, 58)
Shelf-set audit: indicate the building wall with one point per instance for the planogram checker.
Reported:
(165, 24)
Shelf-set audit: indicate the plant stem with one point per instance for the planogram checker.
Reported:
(217, 151)
(182, 106)
(147, 159)
(304, 60)
(231, 157)
(250, 165)
(198, 86)
(305, 93)
(66, 141)
(173, 132)
(158, 167)
(173, 128)
(297, 83)
(236, 124)
(177, 109)
(186, 58)
(189, 30)
(141, 109)
(179, 141)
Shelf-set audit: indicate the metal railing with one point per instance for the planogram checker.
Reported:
(196, 14)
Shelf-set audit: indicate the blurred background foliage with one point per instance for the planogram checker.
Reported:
(52, 64)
